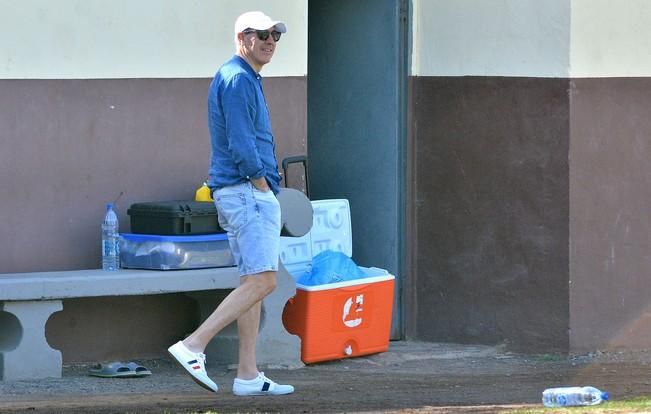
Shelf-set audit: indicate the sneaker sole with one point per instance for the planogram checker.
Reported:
(260, 394)
(195, 379)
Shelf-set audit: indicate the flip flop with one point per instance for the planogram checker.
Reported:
(119, 369)
(111, 370)
(138, 370)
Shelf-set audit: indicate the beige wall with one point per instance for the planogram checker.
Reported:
(601, 53)
(85, 39)
(610, 175)
(558, 38)
(610, 182)
(490, 38)
(611, 38)
(57, 120)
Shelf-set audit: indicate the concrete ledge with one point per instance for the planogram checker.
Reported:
(89, 283)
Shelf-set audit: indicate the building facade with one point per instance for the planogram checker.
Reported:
(522, 165)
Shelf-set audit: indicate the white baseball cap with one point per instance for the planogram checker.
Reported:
(258, 21)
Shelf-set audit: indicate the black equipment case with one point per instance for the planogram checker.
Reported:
(182, 217)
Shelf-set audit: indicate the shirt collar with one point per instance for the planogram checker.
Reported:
(247, 67)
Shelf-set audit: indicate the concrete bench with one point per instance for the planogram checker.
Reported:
(27, 300)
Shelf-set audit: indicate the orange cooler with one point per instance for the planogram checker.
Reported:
(344, 319)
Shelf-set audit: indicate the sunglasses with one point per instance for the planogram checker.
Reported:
(264, 34)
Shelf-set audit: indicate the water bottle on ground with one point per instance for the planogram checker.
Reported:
(110, 240)
(572, 396)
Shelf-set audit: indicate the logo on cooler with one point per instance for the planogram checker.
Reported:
(352, 315)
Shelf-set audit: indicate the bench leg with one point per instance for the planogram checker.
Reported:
(26, 353)
(276, 346)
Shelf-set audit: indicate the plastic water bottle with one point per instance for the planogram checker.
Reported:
(110, 240)
(571, 396)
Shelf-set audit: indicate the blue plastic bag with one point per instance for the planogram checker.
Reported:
(330, 266)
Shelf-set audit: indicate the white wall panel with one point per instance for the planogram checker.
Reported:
(491, 38)
(79, 39)
(611, 38)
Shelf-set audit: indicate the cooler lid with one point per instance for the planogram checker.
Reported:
(331, 230)
(296, 253)
(372, 275)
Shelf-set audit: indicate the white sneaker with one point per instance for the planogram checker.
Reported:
(194, 363)
(260, 386)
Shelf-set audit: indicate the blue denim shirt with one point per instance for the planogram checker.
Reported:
(240, 129)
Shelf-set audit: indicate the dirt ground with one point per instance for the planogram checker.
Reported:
(411, 377)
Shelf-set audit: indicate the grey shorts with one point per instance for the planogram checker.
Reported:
(251, 219)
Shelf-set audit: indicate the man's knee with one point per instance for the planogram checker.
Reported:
(268, 280)
(265, 281)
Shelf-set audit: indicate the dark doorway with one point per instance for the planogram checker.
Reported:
(357, 85)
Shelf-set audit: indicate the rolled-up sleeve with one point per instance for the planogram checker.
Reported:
(238, 102)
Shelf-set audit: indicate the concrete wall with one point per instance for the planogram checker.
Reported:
(490, 136)
(610, 183)
(530, 144)
(101, 98)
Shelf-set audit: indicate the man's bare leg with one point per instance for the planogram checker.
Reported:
(252, 290)
(247, 329)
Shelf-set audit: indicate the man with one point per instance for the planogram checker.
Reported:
(244, 179)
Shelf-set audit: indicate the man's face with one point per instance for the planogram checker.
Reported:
(258, 52)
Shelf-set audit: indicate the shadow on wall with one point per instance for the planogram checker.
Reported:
(84, 331)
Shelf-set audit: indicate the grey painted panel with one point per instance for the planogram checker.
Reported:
(89, 283)
(354, 120)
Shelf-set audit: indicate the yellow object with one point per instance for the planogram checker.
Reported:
(203, 193)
